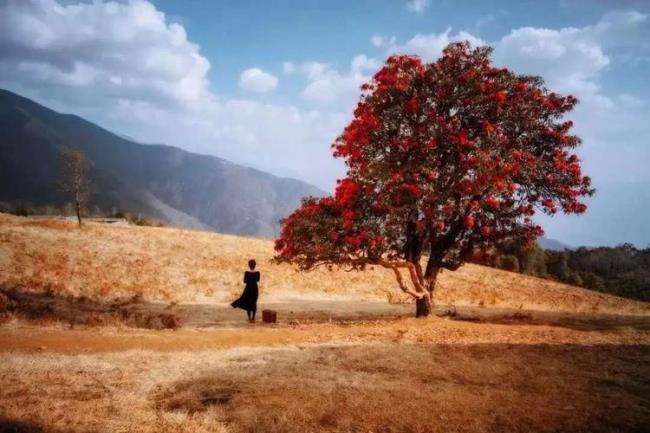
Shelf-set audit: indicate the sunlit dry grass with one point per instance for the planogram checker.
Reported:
(108, 393)
(368, 386)
(168, 264)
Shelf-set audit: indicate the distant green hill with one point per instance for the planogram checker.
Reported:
(163, 182)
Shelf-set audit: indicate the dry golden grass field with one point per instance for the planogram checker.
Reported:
(84, 345)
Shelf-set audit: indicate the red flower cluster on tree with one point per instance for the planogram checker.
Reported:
(443, 158)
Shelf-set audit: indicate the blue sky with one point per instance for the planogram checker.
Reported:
(237, 34)
(270, 84)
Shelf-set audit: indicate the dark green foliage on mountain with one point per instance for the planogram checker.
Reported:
(623, 270)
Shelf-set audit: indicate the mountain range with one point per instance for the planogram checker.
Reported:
(166, 183)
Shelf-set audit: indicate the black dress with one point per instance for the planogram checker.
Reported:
(248, 300)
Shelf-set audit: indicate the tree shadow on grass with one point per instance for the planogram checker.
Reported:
(133, 312)
(577, 321)
(425, 388)
(14, 426)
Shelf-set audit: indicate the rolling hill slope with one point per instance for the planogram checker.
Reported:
(180, 188)
(104, 261)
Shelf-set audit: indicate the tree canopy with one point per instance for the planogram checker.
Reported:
(443, 158)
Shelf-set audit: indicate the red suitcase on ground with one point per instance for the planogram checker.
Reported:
(269, 316)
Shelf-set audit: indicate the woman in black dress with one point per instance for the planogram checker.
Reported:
(248, 300)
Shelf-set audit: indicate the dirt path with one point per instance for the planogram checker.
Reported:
(29, 338)
(78, 325)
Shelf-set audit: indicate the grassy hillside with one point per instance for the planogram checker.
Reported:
(104, 261)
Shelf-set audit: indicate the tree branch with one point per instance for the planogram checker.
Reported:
(395, 266)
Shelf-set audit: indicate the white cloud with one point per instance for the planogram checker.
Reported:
(328, 86)
(430, 46)
(572, 60)
(288, 67)
(568, 59)
(314, 70)
(485, 20)
(124, 66)
(123, 50)
(378, 40)
(623, 33)
(256, 80)
(417, 6)
(631, 100)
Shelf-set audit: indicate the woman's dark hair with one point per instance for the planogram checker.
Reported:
(252, 264)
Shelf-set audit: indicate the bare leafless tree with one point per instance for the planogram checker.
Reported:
(75, 180)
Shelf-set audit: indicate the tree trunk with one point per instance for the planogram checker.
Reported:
(423, 307)
(430, 277)
(412, 254)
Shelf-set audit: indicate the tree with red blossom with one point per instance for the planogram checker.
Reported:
(444, 159)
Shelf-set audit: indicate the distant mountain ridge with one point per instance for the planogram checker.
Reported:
(163, 182)
(616, 214)
(552, 244)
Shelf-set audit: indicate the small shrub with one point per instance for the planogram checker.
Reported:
(170, 321)
(162, 321)
(533, 261)
(6, 317)
(94, 319)
(508, 262)
(146, 222)
(574, 279)
(5, 303)
(593, 281)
